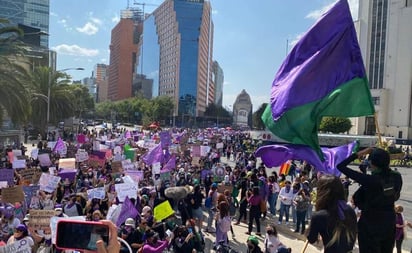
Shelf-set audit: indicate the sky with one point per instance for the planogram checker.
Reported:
(251, 38)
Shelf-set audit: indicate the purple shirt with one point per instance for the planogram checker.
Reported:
(254, 200)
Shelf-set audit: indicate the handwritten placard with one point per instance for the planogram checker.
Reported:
(82, 156)
(40, 219)
(7, 175)
(96, 193)
(31, 175)
(67, 163)
(136, 175)
(48, 183)
(19, 164)
(123, 190)
(20, 246)
(12, 194)
(44, 159)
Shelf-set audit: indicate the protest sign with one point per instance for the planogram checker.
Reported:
(162, 211)
(67, 163)
(18, 246)
(136, 175)
(34, 153)
(81, 155)
(3, 184)
(128, 180)
(165, 176)
(126, 190)
(204, 150)
(31, 176)
(156, 168)
(19, 164)
(7, 175)
(12, 194)
(219, 145)
(114, 212)
(40, 219)
(96, 193)
(196, 151)
(17, 152)
(44, 159)
(48, 183)
(95, 161)
(127, 165)
(130, 154)
(55, 219)
(29, 192)
(195, 161)
(117, 166)
(67, 174)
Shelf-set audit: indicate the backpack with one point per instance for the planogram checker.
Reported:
(225, 224)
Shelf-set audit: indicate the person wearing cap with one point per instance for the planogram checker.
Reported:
(21, 233)
(130, 235)
(376, 198)
(153, 244)
(147, 214)
(253, 245)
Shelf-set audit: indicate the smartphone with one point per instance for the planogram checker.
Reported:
(190, 230)
(169, 233)
(80, 235)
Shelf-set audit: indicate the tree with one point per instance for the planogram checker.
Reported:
(219, 113)
(257, 117)
(61, 99)
(13, 77)
(335, 125)
(83, 101)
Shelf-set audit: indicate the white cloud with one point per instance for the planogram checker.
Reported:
(63, 22)
(96, 21)
(115, 18)
(226, 83)
(75, 50)
(316, 14)
(88, 28)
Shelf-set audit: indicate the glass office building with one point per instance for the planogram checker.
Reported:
(33, 13)
(177, 47)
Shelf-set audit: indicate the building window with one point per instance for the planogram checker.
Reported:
(376, 100)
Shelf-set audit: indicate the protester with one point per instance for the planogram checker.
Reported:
(153, 244)
(286, 196)
(21, 233)
(375, 197)
(223, 222)
(333, 219)
(400, 227)
(272, 242)
(211, 207)
(253, 245)
(254, 213)
(301, 203)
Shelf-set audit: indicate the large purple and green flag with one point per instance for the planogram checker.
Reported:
(276, 155)
(323, 75)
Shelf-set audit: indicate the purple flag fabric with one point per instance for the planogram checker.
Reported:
(170, 165)
(100, 154)
(69, 174)
(165, 139)
(275, 155)
(309, 72)
(127, 211)
(154, 156)
(59, 145)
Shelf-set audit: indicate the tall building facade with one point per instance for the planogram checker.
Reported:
(177, 53)
(32, 13)
(385, 39)
(123, 54)
(218, 79)
(100, 74)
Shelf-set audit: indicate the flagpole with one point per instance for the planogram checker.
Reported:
(377, 129)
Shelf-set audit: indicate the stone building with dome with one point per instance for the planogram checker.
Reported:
(242, 111)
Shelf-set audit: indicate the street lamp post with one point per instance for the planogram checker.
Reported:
(51, 71)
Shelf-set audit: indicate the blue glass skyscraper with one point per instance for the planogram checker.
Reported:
(176, 52)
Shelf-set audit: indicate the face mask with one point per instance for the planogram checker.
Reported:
(47, 237)
(250, 246)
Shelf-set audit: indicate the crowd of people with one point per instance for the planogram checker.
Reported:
(216, 196)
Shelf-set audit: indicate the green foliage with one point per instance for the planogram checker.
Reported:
(83, 101)
(136, 110)
(13, 77)
(335, 125)
(257, 117)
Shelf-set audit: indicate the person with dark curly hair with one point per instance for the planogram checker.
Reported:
(333, 220)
